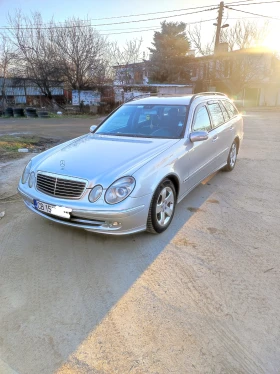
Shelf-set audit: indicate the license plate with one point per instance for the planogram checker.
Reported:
(55, 210)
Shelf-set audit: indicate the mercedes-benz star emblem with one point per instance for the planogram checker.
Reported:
(62, 164)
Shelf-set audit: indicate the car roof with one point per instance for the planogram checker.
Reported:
(166, 100)
(175, 100)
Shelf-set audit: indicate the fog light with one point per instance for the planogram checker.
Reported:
(31, 179)
(113, 225)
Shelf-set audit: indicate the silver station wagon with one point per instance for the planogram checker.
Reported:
(128, 174)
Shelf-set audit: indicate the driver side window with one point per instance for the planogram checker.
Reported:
(201, 120)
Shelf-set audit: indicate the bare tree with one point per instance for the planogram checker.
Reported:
(80, 54)
(243, 34)
(242, 68)
(125, 59)
(35, 51)
(7, 57)
(195, 37)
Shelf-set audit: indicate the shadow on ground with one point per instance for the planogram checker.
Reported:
(60, 282)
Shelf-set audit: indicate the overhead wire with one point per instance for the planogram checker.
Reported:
(146, 14)
(108, 24)
(158, 28)
(257, 3)
(254, 14)
(205, 9)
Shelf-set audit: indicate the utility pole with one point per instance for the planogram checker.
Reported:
(219, 24)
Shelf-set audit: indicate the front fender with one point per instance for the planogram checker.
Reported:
(150, 175)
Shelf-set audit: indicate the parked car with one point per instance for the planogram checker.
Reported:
(128, 174)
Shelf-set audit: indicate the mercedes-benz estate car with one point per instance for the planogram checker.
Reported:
(127, 174)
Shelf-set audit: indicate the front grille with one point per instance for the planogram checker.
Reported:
(62, 187)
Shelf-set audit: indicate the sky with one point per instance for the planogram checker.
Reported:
(95, 10)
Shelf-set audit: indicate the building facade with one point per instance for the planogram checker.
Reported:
(250, 76)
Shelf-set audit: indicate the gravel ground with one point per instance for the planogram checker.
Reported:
(203, 297)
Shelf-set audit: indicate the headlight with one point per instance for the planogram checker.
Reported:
(26, 173)
(95, 194)
(119, 190)
(31, 179)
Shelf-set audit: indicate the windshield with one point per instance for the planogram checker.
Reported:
(146, 121)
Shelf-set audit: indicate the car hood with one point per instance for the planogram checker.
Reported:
(102, 158)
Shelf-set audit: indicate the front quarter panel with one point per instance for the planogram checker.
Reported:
(151, 174)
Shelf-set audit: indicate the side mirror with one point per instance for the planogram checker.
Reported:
(198, 136)
(92, 128)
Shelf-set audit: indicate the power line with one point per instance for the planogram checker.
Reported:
(130, 32)
(237, 2)
(146, 14)
(254, 14)
(133, 15)
(106, 24)
(157, 28)
(258, 3)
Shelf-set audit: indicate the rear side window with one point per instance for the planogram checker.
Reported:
(216, 114)
(225, 113)
(201, 120)
(232, 111)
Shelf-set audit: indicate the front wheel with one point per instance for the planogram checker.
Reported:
(231, 161)
(162, 207)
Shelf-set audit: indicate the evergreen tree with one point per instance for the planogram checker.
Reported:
(168, 63)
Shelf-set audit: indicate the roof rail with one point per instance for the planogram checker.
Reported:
(209, 93)
(205, 94)
(155, 94)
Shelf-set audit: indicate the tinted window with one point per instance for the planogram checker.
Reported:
(216, 114)
(202, 120)
(148, 120)
(232, 111)
(225, 113)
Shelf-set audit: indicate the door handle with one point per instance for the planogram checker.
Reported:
(231, 128)
(215, 138)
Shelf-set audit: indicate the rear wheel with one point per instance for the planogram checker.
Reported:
(231, 161)
(162, 207)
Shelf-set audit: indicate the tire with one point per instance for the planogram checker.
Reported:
(162, 207)
(43, 114)
(232, 157)
(18, 112)
(31, 115)
(9, 112)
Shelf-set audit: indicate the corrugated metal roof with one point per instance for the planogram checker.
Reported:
(153, 85)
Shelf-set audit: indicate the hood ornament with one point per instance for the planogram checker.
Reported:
(62, 164)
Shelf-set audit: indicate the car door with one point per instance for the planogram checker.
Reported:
(201, 153)
(220, 130)
(235, 124)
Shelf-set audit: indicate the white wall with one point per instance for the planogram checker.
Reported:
(175, 90)
(270, 96)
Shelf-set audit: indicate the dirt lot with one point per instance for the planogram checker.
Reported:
(64, 128)
(202, 297)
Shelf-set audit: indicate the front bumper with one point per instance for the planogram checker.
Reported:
(131, 219)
